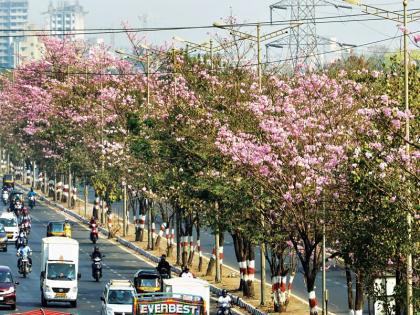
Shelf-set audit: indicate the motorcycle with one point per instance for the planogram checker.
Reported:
(31, 202)
(224, 309)
(24, 266)
(94, 233)
(97, 268)
(5, 197)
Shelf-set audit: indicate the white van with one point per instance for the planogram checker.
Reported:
(10, 223)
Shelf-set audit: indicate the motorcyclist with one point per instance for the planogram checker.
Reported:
(31, 197)
(92, 221)
(31, 193)
(163, 266)
(24, 250)
(224, 301)
(20, 240)
(186, 273)
(67, 228)
(96, 253)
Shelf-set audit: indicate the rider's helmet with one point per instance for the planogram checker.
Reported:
(163, 257)
(96, 249)
(224, 293)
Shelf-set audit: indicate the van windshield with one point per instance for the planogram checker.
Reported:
(58, 271)
(8, 222)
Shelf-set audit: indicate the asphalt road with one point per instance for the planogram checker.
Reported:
(118, 264)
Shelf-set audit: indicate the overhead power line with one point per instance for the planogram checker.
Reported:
(98, 31)
(85, 73)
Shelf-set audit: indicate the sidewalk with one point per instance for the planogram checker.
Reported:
(230, 275)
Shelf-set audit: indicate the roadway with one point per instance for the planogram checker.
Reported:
(119, 263)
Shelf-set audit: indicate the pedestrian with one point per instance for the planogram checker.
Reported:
(95, 210)
(109, 223)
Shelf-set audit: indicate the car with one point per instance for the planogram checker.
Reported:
(55, 228)
(3, 238)
(118, 298)
(7, 287)
(10, 223)
(147, 280)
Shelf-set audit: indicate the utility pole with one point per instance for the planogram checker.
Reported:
(124, 208)
(410, 309)
(33, 173)
(324, 274)
(216, 245)
(85, 195)
(70, 188)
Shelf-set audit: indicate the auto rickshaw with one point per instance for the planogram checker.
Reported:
(147, 280)
(56, 228)
(8, 180)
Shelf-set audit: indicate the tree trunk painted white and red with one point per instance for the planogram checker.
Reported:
(160, 234)
(313, 303)
(192, 250)
(200, 254)
(212, 262)
(184, 245)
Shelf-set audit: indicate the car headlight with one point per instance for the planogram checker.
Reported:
(109, 312)
(74, 289)
(10, 290)
(48, 288)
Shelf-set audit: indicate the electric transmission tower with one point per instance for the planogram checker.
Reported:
(303, 41)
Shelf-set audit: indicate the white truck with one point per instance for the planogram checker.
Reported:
(59, 270)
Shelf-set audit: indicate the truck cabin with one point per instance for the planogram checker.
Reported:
(168, 304)
(61, 270)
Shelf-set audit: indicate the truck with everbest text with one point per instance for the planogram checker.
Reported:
(59, 270)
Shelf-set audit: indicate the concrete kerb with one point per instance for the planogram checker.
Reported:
(215, 290)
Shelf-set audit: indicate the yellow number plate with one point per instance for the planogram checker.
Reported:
(60, 295)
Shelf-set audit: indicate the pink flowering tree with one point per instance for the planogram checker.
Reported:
(295, 147)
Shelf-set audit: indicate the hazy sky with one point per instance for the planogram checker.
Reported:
(164, 13)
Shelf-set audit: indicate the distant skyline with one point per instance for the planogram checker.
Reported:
(173, 13)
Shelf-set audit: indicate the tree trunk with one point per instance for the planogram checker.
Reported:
(211, 264)
(313, 303)
(349, 290)
(358, 307)
(200, 255)
(250, 266)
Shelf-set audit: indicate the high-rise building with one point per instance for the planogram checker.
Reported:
(30, 48)
(13, 19)
(65, 18)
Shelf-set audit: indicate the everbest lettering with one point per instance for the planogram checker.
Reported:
(167, 309)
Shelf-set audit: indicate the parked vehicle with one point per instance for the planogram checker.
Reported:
(59, 270)
(118, 297)
(10, 223)
(7, 288)
(3, 238)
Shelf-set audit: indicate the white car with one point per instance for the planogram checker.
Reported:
(10, 223)
(118, 297)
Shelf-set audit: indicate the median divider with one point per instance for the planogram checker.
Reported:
(215, 290)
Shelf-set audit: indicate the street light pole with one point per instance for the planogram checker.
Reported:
(409, 266)
(259, 58)
(148, 79)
